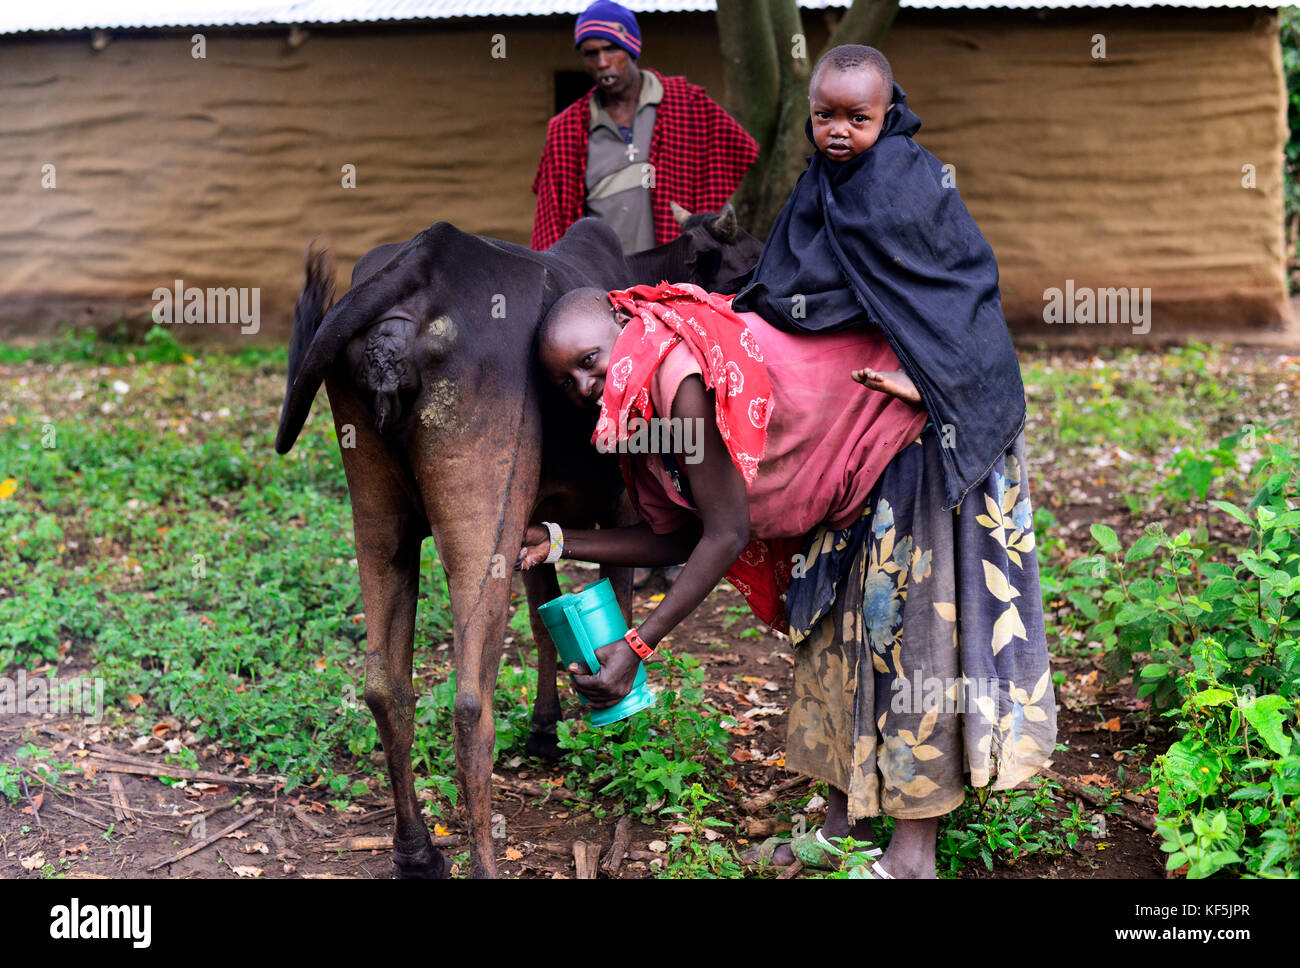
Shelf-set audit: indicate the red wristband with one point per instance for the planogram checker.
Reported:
(633, 638)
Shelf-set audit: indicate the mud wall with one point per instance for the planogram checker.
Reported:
(1122, 171)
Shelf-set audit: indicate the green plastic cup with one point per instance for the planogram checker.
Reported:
(582, 623)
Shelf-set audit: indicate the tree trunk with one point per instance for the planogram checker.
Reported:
(765, 69)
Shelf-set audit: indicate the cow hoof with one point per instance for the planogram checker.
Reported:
(426, 863)
(544, 746)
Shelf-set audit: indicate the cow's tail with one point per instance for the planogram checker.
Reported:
(313, 302)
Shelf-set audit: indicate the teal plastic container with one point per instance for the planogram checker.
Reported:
(582, 623)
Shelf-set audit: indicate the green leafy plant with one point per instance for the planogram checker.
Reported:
(1006, 826)
(184, 757)
(9, 782)
(1218, 644)
(645, 761)
(434, 757)
(1195, 469)
(692, 853)
(1224, 804)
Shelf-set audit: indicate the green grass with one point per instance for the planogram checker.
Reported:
(156, 531)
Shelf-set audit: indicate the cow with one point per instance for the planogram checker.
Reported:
(429, 363)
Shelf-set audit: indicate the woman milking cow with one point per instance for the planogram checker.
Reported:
(858, 473)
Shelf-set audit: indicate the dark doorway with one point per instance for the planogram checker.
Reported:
(569, 86)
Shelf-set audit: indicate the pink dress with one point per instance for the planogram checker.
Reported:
(828, 438)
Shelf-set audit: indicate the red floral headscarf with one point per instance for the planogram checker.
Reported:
(731, 365)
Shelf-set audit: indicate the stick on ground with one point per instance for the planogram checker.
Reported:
(535, 789)
(1079, 790)
(790, 871)
(618, 849)
(382, 842)
(78, 814)
(207, 842)
(114, 764)
(305, 819)
(121, 809)
(585, 858)
(36, 810)
(756, 803)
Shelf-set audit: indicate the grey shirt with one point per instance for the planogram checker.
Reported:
(618, 173)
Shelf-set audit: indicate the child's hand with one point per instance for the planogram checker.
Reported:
(537, 543)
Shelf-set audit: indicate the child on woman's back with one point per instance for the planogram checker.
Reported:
(851, 96)
(848, 107)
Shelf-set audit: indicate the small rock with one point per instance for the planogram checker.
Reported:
(657, 846)
(1099, 826)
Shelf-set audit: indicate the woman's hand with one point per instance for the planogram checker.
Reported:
(537, 544)
(618, 666)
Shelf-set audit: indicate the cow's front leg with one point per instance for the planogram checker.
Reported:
(622, 515)
(541, 585)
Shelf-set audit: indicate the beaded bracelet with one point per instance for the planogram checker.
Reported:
(557, 542)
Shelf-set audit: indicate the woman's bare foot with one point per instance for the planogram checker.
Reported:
(911, 850)
(894, 382)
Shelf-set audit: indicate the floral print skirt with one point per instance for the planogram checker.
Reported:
(921, 660)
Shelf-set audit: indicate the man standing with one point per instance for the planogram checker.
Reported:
(636, 143)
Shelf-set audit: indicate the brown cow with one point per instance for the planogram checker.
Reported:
(429, 364)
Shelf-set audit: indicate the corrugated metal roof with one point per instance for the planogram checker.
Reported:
(125, 14)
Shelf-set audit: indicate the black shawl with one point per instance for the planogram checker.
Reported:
(884, 239)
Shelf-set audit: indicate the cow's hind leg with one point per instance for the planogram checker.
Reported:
(389, 524)
(390, 572)
(478, 489)
(475, 545)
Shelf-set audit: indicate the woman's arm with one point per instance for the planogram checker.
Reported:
(636, 545)
(723, 503)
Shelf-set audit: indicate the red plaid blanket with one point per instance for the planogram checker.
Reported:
(698, 152)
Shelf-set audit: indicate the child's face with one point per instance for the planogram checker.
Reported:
(848, 111)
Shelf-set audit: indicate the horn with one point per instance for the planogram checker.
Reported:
(725, 227)
(680, 214)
